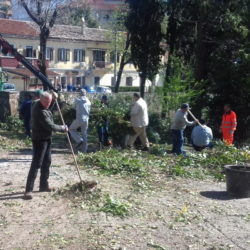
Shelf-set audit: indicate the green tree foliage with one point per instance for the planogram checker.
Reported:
(213, 36)
(144, 23)
(73, 16)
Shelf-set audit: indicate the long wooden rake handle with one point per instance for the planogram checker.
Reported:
(194, 117)
(70, 144)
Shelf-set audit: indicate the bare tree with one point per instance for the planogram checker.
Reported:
(44, 14)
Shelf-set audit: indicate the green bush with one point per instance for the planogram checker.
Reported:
(210, 162)
(12, 123)
(127, 89)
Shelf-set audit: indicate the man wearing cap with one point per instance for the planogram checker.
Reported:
(179, 124)
(82, 106)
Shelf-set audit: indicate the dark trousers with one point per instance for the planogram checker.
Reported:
(27, 126)
(103, 134)
(198, 148)
(41, 159)
(178, 140)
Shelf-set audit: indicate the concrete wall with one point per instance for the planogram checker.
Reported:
(8, 104)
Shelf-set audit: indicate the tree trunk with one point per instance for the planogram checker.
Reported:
(42, 53)
(200, 54)
(122, 64)
(119, 74)
(142, 84)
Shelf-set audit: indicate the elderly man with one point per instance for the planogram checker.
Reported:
(42, 125)
(179, 124)
(82, 106)
(139, 120)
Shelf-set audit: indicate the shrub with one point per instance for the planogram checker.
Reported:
(12, 123)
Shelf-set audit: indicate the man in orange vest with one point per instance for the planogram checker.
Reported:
(228, 125)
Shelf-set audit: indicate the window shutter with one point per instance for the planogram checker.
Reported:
(67, 55)
(59, 54)
(51, 54)
(75, 55)
(83, 55)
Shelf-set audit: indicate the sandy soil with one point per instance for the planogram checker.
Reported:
(182, 214)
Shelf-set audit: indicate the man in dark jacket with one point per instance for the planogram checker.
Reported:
(42, 126)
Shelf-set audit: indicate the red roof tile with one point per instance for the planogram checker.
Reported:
(13, 27)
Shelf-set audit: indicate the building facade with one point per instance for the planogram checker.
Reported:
(5, 8)
(75, 55)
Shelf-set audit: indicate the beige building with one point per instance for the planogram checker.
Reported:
(75, 55)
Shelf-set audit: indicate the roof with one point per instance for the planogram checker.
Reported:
(27, 74)
(67, 32)
(13, 27)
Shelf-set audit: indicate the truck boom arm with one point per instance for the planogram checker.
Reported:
(8, 48)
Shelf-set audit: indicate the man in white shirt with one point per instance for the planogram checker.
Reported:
(139, 120)
(202, 136)
(82, 106)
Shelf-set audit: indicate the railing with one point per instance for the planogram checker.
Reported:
(101, 64)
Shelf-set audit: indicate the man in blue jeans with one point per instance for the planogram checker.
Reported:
(179, 124)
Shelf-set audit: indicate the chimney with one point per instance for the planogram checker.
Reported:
(83, 25)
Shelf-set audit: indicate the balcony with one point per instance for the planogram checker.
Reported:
(101, 64)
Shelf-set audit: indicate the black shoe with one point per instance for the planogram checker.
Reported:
(48, 189)
(27, 196)
(145, 149)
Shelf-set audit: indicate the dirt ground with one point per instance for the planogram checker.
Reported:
(181, 214)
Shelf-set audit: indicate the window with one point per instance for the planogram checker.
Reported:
(79, 55)
(112, 57)
(80, 80)
(129, 81)
(97, 80)
(3, 51)
(63, 55)
(29, 51)
(63, 80)
(99, 56)
(49, 54)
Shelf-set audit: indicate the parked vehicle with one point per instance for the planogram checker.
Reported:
(90, 89)
(103, 90)
(9, 86)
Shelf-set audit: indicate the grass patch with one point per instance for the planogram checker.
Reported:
(14, 141)
(115, 207)
(210, 162)
(113, 162)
